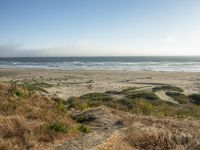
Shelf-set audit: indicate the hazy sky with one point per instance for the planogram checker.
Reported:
(99, 27)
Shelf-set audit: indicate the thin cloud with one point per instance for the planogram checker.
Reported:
(16, 50)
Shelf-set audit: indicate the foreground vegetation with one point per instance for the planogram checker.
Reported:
(155, 124)
(151, 133)
(32, 121)
(29, 120)
(142, 102)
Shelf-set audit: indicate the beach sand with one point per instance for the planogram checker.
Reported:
(68, 83)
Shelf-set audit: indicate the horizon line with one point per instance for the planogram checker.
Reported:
(103, 56)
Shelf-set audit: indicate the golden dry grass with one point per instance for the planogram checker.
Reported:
(163, 133)
(29, 120)
(152, 133)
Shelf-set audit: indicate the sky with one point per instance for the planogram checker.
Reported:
(99, 27)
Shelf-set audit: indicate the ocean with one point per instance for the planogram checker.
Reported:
(142, 63)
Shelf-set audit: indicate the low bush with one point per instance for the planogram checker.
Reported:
(168, 88)
(125, 103)
(77, 103)
(195, 98)
(143, 95)
(84, 129)
(181, 98)
(36, 86)
(143, 107)
(57, 127)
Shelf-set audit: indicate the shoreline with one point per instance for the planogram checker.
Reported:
(96, 70)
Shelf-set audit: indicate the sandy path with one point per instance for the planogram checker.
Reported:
(106, 124)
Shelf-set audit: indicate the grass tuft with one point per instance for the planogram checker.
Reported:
(143, 95)
(84, 129)
(57, 127)
(36, 86)
(168, 88)
(113, 92)
(181, 98)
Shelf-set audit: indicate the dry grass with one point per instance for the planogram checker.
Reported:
(30, 121)
(115, 142)
(150, 133)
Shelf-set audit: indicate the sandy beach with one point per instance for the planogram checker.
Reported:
(68, 83)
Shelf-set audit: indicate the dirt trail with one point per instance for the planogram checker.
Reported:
(104, 124)
(115, 142)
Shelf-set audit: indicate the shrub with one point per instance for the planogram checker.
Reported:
(84, 129)
(143, 107)
(143, 95)
(61, 106)
(77, 103)
(113, 92)
(36, 86)
(57, 127)
(14, 90)
(181, 98)
(168, 88)
(124, 104)
(195, 98)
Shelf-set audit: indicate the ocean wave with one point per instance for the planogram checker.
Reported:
(106, 65)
